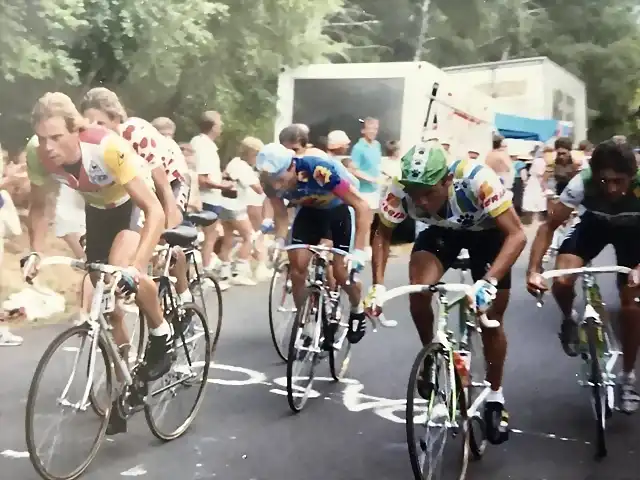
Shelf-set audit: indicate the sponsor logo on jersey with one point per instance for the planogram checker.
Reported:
(390, 206)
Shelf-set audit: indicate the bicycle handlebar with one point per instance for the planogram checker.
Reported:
(441, 288)
(28, 261)
(551, 274)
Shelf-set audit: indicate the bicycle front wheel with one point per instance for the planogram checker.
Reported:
(303, 352)
(281, 309)
(175, 399)
(436, 412)
(67, 394)
(598, 388)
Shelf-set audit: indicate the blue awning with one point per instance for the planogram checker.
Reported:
(513, 126)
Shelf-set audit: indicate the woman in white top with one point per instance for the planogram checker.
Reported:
(240, 171)
(534, 200)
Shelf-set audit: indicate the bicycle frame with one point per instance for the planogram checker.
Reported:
(443, 337)
(593, 300)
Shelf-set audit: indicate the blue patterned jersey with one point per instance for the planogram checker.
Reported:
(321, 183)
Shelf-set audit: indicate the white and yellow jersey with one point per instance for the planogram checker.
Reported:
(107, 164)
(476, 197)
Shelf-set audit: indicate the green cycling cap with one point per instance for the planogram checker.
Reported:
(424, 164)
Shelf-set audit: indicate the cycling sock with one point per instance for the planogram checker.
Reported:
(162, 330)
(496, 396)
(186, 296)
(358, 308)
(628, 377)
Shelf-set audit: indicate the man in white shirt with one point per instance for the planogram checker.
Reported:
(207, 162)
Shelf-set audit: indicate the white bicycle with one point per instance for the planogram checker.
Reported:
(444, 394)
(598, 346)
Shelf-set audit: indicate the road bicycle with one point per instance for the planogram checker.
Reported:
(445, 395)
(130, 387)
(319, 329)
(597, 345)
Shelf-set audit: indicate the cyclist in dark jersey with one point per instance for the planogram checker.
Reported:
(609, 195)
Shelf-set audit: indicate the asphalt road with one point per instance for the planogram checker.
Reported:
(351, 431)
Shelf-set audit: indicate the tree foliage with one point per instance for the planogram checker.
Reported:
(179, 57)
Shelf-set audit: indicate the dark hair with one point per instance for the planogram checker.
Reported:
(294, 134)
(391, 148)
(610, 155)
(322, 143)
(585, 146)
(208, 120)
(497, 141)
(563, 142)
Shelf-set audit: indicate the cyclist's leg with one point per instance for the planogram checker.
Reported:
(308, 227)
(434, 250)
(484, 247)
(179, 269)
(581, 245)
(342, 230)
(628, 255)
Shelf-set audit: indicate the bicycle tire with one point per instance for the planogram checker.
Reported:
(141, 325)
(81, 330)
(597, 386)
(435, 349)
(338, 368)
(184, 426)
(217, 324)
(281, 350)
(477, 443)
(297, 406)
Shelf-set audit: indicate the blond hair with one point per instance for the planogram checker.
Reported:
(57, 104)
(104, 100)
(249, 144)
(163, 123)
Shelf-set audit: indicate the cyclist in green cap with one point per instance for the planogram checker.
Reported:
(466, 207)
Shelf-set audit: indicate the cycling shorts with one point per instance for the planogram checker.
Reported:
(310, 225)
(445, 244)
(591, 234)
(103, 225)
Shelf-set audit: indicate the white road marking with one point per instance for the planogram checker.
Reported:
(14, 454)
(136, 471)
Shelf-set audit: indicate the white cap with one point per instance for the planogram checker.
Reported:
(337, 139)
(274, 159)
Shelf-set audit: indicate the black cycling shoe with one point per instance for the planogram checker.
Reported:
(569, 337)
(496, 419)
(117, 424)
(158, 356)
(357, 327)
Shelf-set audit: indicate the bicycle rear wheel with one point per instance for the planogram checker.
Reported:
(188, 374)
(436, 411)
(281, 309)
(598, 388)
(302, 356)
(208, 289)
(87, 441)
(337, 333)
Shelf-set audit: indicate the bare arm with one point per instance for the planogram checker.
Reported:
(380, 252)
(544, 236)
(363, 216)
(514, 242)
(173, 217)
(280, 217)
(37, 223)
(154, 219)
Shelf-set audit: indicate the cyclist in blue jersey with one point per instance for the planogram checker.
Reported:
(328, 206)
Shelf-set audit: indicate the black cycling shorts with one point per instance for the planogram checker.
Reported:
(103, 225)
(446, 243)
(310, 225)
(591, 234)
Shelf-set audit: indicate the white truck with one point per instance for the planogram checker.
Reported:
(529, 87)
(407, 97)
